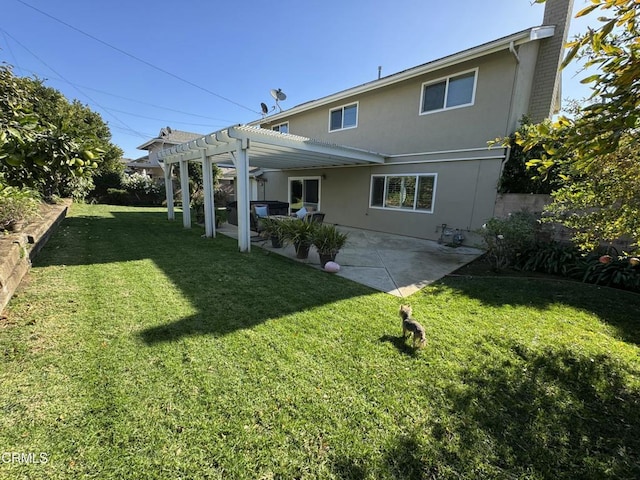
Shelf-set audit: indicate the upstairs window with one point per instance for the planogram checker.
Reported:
(452, 92)
(343, 117)
(282, 128)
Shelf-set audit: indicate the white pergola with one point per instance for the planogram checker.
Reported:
(243, 146)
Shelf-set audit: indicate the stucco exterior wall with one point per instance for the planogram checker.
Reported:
(389, 120)
(465, 196)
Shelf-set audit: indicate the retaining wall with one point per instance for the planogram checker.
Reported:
(17, 250)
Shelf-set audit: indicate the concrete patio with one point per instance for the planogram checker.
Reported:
(394, 264)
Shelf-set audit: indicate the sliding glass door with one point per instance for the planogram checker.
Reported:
(304, 192)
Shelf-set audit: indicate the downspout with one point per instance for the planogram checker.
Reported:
(512, 49)
(514, 52)
(507, 155)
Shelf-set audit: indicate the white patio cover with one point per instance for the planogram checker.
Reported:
(244, 146)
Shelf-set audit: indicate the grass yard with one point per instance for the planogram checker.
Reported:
(139, 350)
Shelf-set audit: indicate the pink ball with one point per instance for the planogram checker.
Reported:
(331, 267)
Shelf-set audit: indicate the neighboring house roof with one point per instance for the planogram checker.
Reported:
(142, 162)
(508, 42)
(169, 136)
(229, 173)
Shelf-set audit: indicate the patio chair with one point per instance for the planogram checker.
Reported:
(255, 214)
(314, 217)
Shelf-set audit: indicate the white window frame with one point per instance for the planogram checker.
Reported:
(342, 107)
(400, 209)
(277, 127)
(318, 178)
(446, 92)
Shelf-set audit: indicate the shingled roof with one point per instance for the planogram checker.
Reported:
(169, 136)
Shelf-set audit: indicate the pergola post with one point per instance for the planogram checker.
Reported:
(168, 188)
(207, 181)
(241, 162)
(186, 198)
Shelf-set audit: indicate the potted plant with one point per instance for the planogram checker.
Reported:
(272, 228)
(17, 207)
(328, 241)
(300, 234)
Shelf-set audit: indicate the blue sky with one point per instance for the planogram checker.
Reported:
(221, 59)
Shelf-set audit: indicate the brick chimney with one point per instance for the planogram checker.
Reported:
(546, 94)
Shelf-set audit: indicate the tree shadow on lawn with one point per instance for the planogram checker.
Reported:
(403, 461)
(550, 414)
(615, 307)
(230, 290)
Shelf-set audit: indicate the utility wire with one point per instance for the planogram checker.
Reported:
(79, 90)
(6, 41)
(160, 107)
(160, 69)
(163, 120)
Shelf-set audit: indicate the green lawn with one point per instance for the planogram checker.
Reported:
(137, 349)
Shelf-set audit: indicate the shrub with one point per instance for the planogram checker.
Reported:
(105, 180)
(143, 189)
(17, 205)
(117, 196)
(618, 271)
(77, 188)
(553, 257)
(506, 239)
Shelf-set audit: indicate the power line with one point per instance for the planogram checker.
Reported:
(61, 76)
(163, 120)
(160, 69)
(160, 107)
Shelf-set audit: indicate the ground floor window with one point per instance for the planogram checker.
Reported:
(403, 192)
(304, 192)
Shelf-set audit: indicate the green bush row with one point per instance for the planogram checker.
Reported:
(518, 242)
(135, 189)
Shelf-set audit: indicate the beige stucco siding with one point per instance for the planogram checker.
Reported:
(451, 144)
(465, 196)
(389, 119)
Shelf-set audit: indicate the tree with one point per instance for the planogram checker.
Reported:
(603, 205)
(598, 147)
(47, 142)
(516, 177)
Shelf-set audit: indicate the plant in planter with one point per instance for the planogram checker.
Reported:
(300, 234)
(273, 228)
(328, 241)
(17, 206)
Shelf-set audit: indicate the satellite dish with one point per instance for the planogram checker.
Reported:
(264, 108)
(278, 95)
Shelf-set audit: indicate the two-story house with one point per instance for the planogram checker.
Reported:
(167, 137)
(405, 153)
